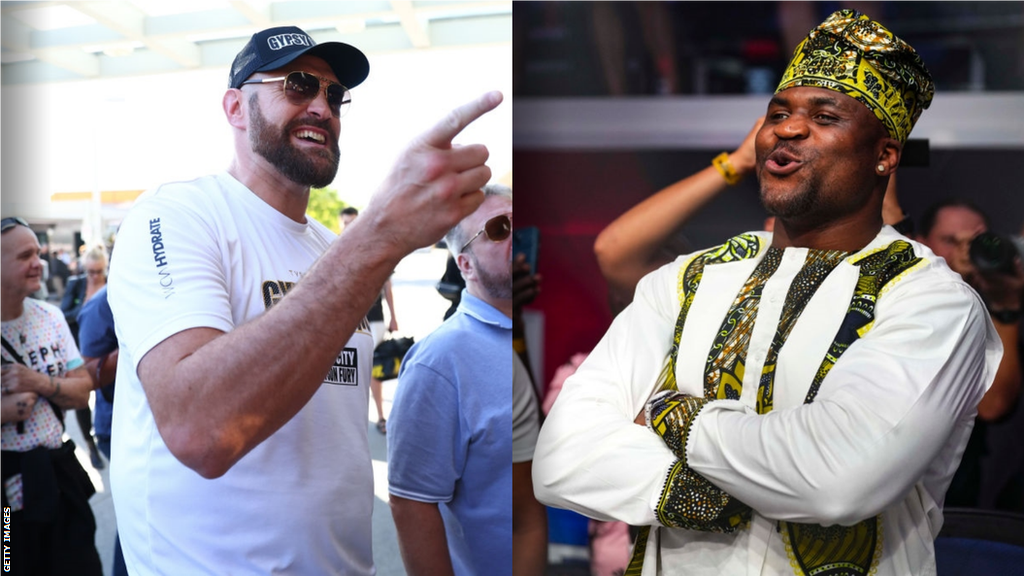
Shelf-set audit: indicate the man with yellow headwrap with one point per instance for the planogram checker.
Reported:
(804, 396)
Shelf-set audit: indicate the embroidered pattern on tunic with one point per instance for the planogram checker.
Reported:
(723, 374)
(853, 550)
(689, 500)
(834, 550)
(818, 265)
(742, 247)
(877, 270)
(738, 248)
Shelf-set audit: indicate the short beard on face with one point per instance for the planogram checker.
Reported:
(299, 166)
(803, 197)
(497, 286)
(803, 201)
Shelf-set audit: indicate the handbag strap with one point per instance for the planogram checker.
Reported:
(17, 357)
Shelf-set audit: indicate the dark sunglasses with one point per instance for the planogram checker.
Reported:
(8, 223)
(497, 229)
(301, 88)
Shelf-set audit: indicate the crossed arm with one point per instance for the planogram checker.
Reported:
(793, 463)
(23, 387)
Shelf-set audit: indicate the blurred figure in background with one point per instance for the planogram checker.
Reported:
(98, 343)
(45, 488)
(948, 227)
(80, 289)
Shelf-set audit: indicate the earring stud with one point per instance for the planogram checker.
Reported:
(881, 167)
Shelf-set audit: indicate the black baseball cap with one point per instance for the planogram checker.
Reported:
(273, 48)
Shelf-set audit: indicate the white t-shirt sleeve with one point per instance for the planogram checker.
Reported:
(168, 270)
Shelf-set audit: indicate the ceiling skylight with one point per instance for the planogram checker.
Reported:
(51, 17)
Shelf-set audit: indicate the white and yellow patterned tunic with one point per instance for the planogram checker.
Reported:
(826, 399)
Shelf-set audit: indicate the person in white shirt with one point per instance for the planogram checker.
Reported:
(804, 396)
(49, 526)
(239, 432)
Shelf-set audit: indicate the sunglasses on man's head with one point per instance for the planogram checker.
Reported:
(301, 88)
(8, 223)
(497, 229)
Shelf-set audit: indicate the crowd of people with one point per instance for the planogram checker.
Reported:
(805, 397)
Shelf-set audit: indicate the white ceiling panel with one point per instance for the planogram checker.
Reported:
(60, 41)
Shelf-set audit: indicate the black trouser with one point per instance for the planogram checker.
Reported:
(55, 533)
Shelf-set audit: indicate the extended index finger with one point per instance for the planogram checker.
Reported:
(442, 133)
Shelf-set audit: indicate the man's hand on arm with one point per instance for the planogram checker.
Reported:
(421, 537)
(70, 391)
(102, 369)
(17, 407)
(207, 421)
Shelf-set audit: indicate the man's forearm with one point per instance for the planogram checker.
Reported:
(70, 391)
(627, 247)
(103, 369)
(421, 537)
(530, 551)
(529, 524)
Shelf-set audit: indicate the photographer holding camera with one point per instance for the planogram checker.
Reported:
(958, 231)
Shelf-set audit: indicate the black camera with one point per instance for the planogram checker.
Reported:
(992, 253)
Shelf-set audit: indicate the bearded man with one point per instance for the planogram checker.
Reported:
(803, 396)
(240, 442)
(450, 439)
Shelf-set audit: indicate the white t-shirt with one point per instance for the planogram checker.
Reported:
(210, 253)
(41, 337)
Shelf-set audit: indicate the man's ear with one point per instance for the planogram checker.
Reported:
(465, 265)
(234, 108)
(889, 157)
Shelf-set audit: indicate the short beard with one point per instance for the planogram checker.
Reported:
(497, 286)
(805, 199)
(804, 202)
(294, 164)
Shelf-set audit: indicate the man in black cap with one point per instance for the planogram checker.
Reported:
(241, 414)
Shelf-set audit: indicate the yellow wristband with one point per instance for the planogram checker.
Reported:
(724, 167)
(519, 345)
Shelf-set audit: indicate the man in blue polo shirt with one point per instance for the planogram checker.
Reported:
(450, 432)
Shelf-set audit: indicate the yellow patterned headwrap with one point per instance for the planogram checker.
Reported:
(853, 55)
